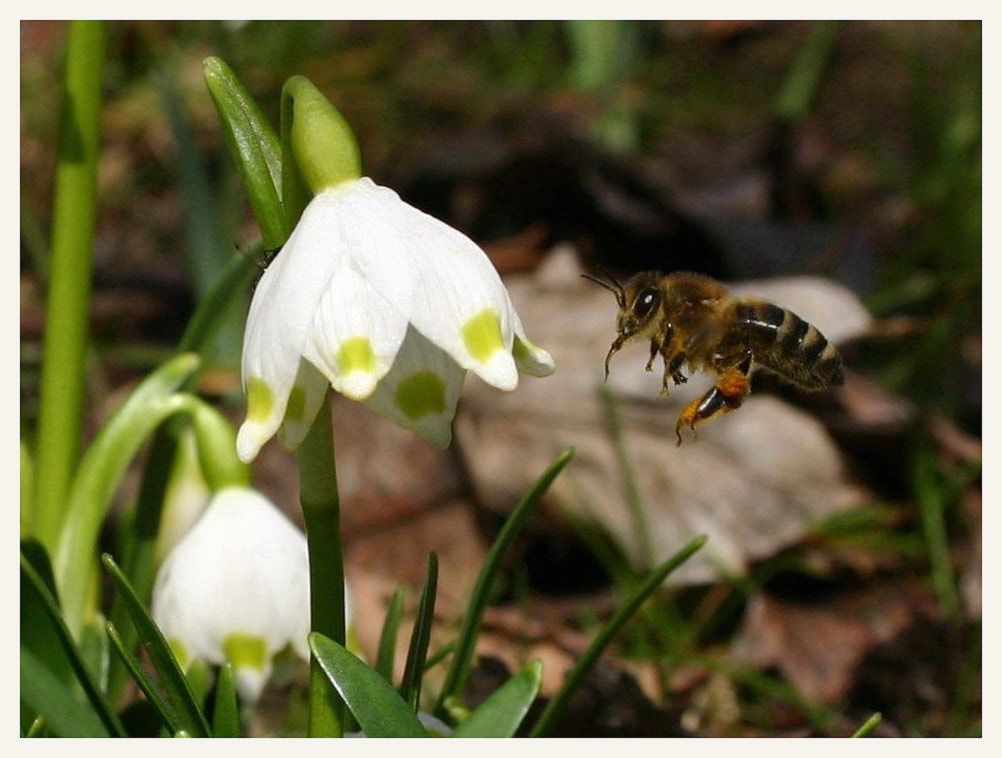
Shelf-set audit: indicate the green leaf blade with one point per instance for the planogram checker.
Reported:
(225, 711)
(388, 638)
(466, 644)
(254, 147)
(410, 687)
(53, 699)
(373, 701)
(60, 656)
(502, 713)
(174, 685)
(102, 468)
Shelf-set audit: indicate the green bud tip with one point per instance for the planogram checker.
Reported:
(323, 144)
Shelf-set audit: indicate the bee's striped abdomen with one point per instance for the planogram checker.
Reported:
(782, 341)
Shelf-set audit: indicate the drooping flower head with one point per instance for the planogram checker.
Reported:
(236, 588)
(380, 301)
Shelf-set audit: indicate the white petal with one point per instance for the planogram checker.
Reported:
(281, 316)
(355, 334)
(304, 401)
(456, 298)
(421, 390)
(529, 357)
(242, 569)
(250, 681)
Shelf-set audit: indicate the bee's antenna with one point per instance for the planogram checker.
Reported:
(615, 288)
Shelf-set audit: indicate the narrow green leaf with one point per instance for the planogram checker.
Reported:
(58, 631)
(586, 662)
(386, 655)
(167, 711)
(54, 701)
(501, 714)
(95, 653)
(801, 86)
(101, 470)
(225, 710)
(40, 613)
(438, 656)
(254, 147)
(377, 707)
(455, 680)
(410, 686)
(37, 728)
(74, 215)
(868, 726)
(172, 680)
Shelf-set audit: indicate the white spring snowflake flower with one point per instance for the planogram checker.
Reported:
(387, 305)
(237, 588)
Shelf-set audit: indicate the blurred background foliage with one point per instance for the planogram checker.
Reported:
(740, 149)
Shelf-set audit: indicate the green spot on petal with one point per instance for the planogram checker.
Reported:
(355, 354)
(245, 651)
(420, 394)
(260, 400)
(520, 351)
(297, 404)
(482, 335)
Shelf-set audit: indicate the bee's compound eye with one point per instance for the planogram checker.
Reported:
(646, 302)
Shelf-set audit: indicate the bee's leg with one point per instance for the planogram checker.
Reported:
(723, 397)
(656, 347)
(673, 368)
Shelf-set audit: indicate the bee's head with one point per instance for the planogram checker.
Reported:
(638, 305)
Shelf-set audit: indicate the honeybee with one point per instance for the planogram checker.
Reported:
(692, 320)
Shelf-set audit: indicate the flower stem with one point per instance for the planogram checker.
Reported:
(322, 515)
(74, 213)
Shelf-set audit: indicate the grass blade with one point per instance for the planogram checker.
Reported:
(377, 707)
(502, 713)
(164, 708)
(869, 726)
(583, 667)
(466, 644)
(172, 680)
(254, 147)
(111, 724)
(388, 639)
(74, 215)
(410, 686)
(225, 711)
(100, 472)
